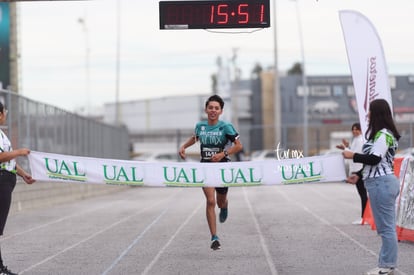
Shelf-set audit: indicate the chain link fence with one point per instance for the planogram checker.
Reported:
(322, 139)
(45, 128)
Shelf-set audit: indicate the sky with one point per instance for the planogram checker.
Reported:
(68, 49)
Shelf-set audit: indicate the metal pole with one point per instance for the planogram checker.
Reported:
(305, 85)
(235, 92)
(82, 21)
(118, 54)
(276, 89)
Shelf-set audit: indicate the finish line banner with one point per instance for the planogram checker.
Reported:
(65, 168)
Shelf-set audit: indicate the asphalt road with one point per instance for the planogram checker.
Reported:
(296, 229)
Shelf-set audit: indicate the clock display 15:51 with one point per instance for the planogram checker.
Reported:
(221, 14)
(210, 14)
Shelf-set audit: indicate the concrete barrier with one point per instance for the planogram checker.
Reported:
(41, 194)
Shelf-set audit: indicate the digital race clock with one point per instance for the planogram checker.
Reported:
(214, 14)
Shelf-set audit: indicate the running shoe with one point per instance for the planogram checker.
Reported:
(223, 215)
(215, 244)
(5, 271)
(381, 271)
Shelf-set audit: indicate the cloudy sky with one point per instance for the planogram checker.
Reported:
(55, 36)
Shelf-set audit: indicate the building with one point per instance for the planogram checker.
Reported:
(164, 123)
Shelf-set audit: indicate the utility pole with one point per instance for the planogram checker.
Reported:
(82, 21)
(118, 61)
(234, 91)
(276, 97)
(304, 83)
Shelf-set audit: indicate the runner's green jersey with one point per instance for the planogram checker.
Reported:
(214, 138)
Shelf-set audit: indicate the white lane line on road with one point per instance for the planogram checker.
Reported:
(6, 237)
(95, 234)
(269, 260)
(151, 264)
(345, 235)
(51, 223)
(139, 237)
(326, 222)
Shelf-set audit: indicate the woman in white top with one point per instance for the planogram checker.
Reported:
(356, 146)
(382, 185)
(8, 171)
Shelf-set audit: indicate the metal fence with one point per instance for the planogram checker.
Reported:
(45, 128)
(321, 138)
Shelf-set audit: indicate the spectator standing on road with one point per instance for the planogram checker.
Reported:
(356, 146)
(8, 170)
(382, 185)
(218, 140)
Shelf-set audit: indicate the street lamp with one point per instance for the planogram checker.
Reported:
(235, 91)
(87, 65)
(118, 61)
(276, 90)
(304, 83)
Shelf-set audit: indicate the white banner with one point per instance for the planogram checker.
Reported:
(66, 168)
(366, 61)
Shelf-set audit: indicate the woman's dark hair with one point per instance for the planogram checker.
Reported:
(215, 98)
(356, 125)
(1, 107)
(380, 117)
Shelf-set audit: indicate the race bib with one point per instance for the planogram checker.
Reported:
(207, 152)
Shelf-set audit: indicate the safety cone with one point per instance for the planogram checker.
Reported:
(368, 217)
(397, 166)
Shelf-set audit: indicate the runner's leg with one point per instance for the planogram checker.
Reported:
(210, 209)
(222, 202)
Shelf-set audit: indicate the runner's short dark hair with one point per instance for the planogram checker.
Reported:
(215, 98)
